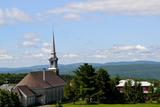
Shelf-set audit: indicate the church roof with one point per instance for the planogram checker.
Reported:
(25, 90)
(34, 80)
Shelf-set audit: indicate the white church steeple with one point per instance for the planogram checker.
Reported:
(53, 60)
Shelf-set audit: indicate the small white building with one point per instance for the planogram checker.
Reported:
(144, 84)
(7, 87)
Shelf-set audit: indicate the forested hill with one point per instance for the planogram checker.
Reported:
(138, 69)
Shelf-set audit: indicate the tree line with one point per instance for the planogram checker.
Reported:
(96, 86)
(10, 78)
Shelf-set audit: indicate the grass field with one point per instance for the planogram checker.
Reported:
(82, 104)
(112, 105)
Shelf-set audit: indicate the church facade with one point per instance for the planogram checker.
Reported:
(42, 87)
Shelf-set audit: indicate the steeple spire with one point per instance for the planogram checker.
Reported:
(54, 49)
(53, 60)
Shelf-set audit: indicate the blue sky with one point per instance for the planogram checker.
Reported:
(85, 31)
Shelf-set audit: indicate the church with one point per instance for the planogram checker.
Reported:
(42, 87)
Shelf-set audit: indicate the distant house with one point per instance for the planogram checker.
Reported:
(144, 84)
(42, 87)
(7, 87)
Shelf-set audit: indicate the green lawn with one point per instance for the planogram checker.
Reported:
(112, 105)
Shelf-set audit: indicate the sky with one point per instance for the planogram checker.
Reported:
(93, 31)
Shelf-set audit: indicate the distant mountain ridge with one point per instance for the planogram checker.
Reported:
(136, 69)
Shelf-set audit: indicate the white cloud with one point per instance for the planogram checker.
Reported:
(100, 56)
(4, 55)
(38, 55)
(70, 55)
(127, 53)
(72, 16)
(13, 15)
(41, 53)
(30, 55)
(115, 53)
(129, 48)
(17, 14)
(28, 43)
(124, 52)
(128, 7)
(30, 39)
(46, 48)
(123, 7)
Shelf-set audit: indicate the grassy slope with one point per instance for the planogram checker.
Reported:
(113, 105)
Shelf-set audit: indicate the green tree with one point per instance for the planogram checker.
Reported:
(85, 76)
(103, 85)
(71, 91)
(68, 93)
(106, 88)
(116, 96)
(128, 92)
(10, 78)
(15, 99)
(92, 86)
(133, 92)
(116, 80)
(8, 99)
(156, 95)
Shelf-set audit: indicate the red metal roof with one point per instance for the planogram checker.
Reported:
(34, 80)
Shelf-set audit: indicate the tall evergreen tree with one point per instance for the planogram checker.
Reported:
(93, 86)
(106, 88)
(85, 76)
(103, 86)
